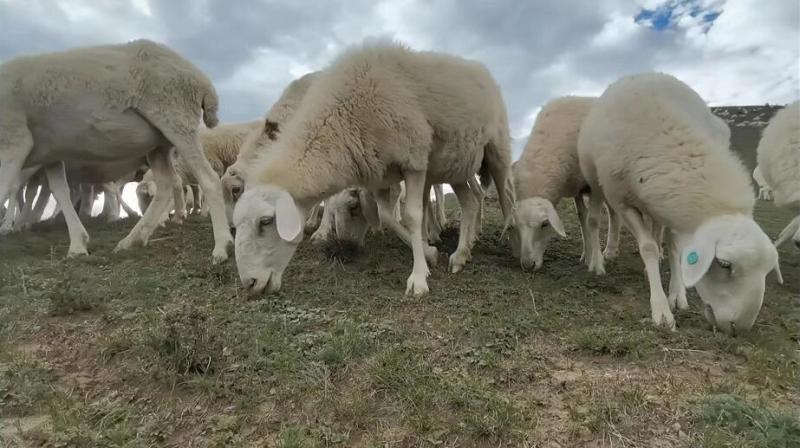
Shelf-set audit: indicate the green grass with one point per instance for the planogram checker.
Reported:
(729, 420)
(158, 347)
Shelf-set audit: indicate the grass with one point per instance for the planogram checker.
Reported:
(157, 347)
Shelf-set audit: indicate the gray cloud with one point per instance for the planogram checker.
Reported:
(536, 50)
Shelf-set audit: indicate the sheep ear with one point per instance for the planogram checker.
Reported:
(288, 218)
(555, 221)
(697, 258)
(370, 208)
(778, 272)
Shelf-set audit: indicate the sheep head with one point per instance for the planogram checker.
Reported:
(269, 226)
(535, 222)
(354, 212)
(727, 260)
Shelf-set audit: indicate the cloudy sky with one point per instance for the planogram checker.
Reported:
(732, 52)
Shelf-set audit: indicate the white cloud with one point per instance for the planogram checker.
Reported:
(536, 50)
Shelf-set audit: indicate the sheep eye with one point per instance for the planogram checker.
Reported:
(724, 264)
(545, 224)
(264, 222)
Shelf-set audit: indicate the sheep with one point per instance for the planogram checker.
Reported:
(379, 114)
(233, 180)
(546, 172)
(108, 103)
(779, 159)
(220, 146)
(651, 147)
(764, 191)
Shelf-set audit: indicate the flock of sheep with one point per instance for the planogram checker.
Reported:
(369, 136)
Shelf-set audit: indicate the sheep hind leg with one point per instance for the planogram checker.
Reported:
(13, 211)
(650, 253)
(466, 232)
(788, 231)
(595, 260)
(189, 149)
(386, 213)
(29, 200)
(417, 283)
(165, 178)
(581, 211)
(78, 237)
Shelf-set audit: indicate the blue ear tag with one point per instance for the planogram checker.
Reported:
(692, 257)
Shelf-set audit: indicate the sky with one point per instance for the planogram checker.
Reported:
(734, 52)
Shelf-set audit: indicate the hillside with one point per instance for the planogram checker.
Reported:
(157, 347)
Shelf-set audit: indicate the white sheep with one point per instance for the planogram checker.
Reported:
(221, 147)
(102, 104)
(779, 160)
(379, 114)
(651, 146)
(764, 190)
(233, 180)
(548, 171)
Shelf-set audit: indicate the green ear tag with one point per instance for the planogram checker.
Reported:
(692, 257)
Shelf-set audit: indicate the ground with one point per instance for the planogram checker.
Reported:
(158, 347)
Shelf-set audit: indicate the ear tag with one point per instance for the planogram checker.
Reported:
(692, 257)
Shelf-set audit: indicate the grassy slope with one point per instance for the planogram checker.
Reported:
(156, 347)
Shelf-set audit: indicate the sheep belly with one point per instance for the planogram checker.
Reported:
(87, 132)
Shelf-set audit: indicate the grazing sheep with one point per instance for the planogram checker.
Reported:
(779, 160)
(548, 171)
(233, 180)
(651, 146)
(764, 191)
(221, 147)
(105, 104)
(379, 114)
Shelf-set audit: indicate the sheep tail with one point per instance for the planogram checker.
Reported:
(210, 107)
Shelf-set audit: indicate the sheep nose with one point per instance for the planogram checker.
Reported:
(249, 284)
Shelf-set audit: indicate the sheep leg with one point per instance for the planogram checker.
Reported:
(595, 259)
(12, 212)
(426, 213)
(787, 232)
(41, 202)
(677, 290)
(189, 200)
(29, 199)
(466, 229)
(417, 283)
(386, 213)
(612, 238)
(479, 193)
(112, 201)
(192, 154)
(650, 253)
(325, 228)
(78, 237)
(165, 177)
(580, 209)
(87, 200)
(179, 203)
(125, 207)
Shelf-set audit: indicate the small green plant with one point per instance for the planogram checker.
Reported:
(727, 420)
(187, 340)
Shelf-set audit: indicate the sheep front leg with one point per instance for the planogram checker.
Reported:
(651, 254)
(165, 177)
(386, 213)
(326, 226)
(612, 239)
(417, 283)
(12, 212)
(580, 210)
(466, 229)
(595, 260)
(78, 237)
(677, 290)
